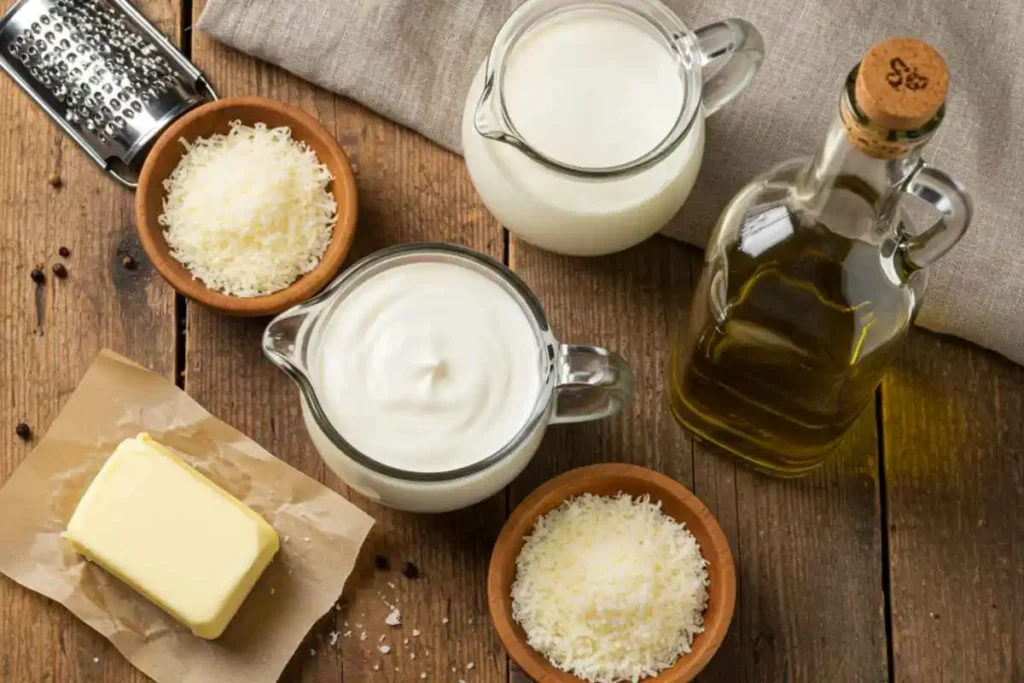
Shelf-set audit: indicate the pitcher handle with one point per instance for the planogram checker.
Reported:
(956, 210)
(592, 383)
(741, 46)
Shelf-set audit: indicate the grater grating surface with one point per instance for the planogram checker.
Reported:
(102, 72)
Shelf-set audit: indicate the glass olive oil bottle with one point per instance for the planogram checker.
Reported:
(814, 274)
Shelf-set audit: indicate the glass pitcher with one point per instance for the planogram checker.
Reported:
(557, 137)
(576, 383)
(814, 273)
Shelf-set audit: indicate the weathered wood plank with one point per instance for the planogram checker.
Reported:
(50, 333)
(810, 605)
(954, 468)
(409, 190)
(807, 552)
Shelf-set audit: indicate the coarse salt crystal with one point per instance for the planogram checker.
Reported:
(394, 618)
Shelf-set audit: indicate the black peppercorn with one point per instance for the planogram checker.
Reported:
(381, 562)
(128, 262)
(59, 270)
(410, 571)
(55, 181)
(23, 431)
(37, 276)
(64, 252)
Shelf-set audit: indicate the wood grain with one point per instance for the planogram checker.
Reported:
(409, 190)
(808, 560)
(954, 468)
(49, 335)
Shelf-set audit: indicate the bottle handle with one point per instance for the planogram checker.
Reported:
(593, 383)
(952, 201)
(740, 44)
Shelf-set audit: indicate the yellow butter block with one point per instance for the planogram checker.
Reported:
(173, 535)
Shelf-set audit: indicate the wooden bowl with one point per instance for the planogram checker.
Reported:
(609, 479)
(215, 117)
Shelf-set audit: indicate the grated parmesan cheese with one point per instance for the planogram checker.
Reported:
(610, 588)
(249, 212)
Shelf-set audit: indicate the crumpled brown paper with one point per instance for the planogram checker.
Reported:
(320, 531)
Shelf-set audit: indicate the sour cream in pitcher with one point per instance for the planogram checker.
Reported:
(428, 367)
(588, 90)
(429, 375)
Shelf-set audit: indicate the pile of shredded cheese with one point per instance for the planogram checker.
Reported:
(249, 212)
(610, 588)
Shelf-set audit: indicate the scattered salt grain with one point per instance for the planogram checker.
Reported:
(444, 620)
(405, 641)
(272, 591)
(412, 655)
(470, 666)
(333, 636)
(423, 675)
(376, 667)
(394, 618)
(362, 636)
(415, 632)
(95, 660)
(312, 652)
(384, 649)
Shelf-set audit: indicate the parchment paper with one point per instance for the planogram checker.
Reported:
(321, 532)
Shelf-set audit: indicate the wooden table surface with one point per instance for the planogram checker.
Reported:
(902, 559)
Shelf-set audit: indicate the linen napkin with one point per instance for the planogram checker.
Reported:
(412, 61)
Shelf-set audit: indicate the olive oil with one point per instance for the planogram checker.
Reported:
(778, 362)
(813, 274)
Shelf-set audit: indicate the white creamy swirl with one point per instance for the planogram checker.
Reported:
(428, 367)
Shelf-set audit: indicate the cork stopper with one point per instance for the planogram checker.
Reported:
(901, 85)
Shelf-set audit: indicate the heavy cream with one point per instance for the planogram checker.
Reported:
(592, 90)
(428, 367)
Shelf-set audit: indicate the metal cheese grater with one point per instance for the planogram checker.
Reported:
(103, 73)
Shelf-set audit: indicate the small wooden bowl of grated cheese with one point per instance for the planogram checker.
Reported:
(246, 205)
(611, 573)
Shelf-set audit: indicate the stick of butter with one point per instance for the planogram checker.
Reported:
(173, 535)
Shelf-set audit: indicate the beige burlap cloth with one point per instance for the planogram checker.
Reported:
(412, 61)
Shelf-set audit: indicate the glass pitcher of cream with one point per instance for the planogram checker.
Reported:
(583, 131)
(429, 375)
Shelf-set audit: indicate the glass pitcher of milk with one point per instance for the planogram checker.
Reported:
(583, 130)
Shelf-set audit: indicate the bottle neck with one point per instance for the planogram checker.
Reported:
(843, 164)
